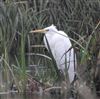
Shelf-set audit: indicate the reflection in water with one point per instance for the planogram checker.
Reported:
(33, 96)
(28, 96)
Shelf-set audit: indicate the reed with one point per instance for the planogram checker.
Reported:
(80, 19)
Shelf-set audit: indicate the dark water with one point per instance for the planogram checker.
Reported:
(28, 96)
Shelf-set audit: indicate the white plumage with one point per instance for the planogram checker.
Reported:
(60, 44)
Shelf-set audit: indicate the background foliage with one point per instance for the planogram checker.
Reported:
(80, 19)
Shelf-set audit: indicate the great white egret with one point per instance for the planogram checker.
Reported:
(60, 44)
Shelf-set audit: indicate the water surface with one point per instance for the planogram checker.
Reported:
(28, 96)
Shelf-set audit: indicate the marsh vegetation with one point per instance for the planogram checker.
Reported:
(25, 61)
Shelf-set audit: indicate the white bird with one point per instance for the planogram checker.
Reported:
(61, 48)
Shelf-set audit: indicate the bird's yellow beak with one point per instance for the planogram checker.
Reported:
(38, 31)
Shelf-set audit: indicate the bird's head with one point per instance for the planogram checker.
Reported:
(51, 28)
